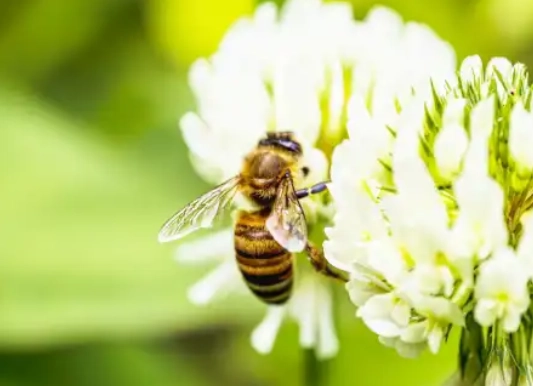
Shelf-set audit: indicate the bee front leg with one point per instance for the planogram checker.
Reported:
(322, 266)
(317, 188)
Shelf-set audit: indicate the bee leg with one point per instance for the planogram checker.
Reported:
(317, 188)
(321, 265)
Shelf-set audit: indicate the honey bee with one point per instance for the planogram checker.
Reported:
(265, 239)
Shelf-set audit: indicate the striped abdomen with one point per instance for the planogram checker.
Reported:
(265, 265)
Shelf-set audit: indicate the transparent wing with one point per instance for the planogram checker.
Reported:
(287, 222)
(201, 213)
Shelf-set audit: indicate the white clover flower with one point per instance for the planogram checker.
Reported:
(295, 69)
(433, 216)
(402, 252)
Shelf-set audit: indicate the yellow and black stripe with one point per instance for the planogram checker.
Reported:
(266, 266)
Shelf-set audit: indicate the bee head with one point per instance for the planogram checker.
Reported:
(283, 140)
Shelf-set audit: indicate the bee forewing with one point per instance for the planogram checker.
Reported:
(200, 213)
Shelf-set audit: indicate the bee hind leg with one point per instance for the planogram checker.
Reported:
(315, 254)
(322, 266)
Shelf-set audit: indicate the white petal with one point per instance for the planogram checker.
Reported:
(409, 350)
(340, 172)
(318, 166)
(384, 257)
(438, 308)
(336, 99)
(264, 334)
(482, 118)
(503, 65)
(266, 13)
(311, 307)
(358, 210)
(200, 75)
(306, 315)
(471, 68)
(401, 313)
(357, 222)
(215, 246)
(358, 218)
(435, 338)
(369, 140)
(521, 136)
(210, 173)
(215, 284)
(418, 220)
(361, 290)
(450, 146)
(448, 281)
(505, 68)
(485, 312)
(452, 141)
(480, 227)
(336, 253)
(328, 343)
(376, 315)
(296, 99)
(195, 133)
(454, 112)
(425, 279)
(415, 333)
(525, 248)
(503, 273)
(335, 250)
(382, 327)
(385, 21)
(417, 194)
(438, 63)
(511, 321)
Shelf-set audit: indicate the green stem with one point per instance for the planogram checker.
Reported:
(313, 369)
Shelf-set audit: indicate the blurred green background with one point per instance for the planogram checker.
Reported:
(91, 164)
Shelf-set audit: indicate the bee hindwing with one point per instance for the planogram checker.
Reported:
(287, 222)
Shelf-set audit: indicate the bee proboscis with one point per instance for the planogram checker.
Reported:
(265, 239)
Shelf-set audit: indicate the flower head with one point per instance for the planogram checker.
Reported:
(295, 69)
(433, 216)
